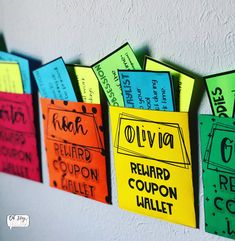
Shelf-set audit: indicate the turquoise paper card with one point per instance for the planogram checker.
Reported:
(54, 82)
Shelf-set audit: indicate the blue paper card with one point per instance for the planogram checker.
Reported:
(54, 82)
(24, 69)
(149, 90)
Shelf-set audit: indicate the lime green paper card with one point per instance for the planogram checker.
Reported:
(218, 170)
(106, 71)
(10, 78)
(183, 84)
(87, 82)
(221, 90)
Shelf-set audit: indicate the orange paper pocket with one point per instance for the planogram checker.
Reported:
(75, 148)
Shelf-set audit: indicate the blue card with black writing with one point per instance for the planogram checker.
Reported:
(149, 90)
(54, 82)
(24, 69)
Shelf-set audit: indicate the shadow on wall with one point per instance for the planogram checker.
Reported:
(74, 79)
(3, 46)
(141, 52)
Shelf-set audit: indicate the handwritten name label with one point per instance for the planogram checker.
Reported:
(160, 139)
(11, 115)
(72, 126)
(106, 71)
(218, 163)
(153, 149)
(75, 148)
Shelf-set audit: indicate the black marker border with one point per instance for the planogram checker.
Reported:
(234, 107)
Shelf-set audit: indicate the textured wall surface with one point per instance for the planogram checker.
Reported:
(197, 35)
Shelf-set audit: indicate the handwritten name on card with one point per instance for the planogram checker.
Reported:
(18, 145)
(106, 71)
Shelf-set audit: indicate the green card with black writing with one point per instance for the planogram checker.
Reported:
(106, 71)
(218, 165)
(221, 91)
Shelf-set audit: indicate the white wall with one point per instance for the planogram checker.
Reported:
(198, 35)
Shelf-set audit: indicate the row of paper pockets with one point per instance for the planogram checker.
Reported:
(151, 149)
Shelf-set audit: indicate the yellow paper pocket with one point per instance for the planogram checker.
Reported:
(153, 163)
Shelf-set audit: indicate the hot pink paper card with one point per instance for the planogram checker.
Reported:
(18, 142)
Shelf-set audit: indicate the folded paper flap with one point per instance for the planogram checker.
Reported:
(217, 137)
(76, 153)
(153, 148)
(18, 144)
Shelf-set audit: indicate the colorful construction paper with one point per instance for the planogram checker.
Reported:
(10, 77)
(147, 89)
(75, 148)
(54, 82)
(24, 69)
(18, 143)
(183, 84)
(106, 71)
(221, 91)
(217, 136)
(153, 163)
(87, 82)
